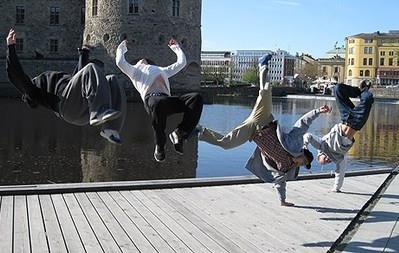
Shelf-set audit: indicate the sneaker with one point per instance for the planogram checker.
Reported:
(264, 60)
(335, 190)
(159, 154)
(111, 136)
(197, 131)
(364, 85)
(107, 115)
(177, 142)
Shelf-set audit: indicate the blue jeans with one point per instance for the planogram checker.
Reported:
(354, 116)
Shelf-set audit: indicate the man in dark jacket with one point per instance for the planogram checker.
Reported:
(84, 97)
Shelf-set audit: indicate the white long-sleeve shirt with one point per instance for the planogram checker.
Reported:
(144, 75)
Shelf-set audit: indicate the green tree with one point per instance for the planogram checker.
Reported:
(251, 76)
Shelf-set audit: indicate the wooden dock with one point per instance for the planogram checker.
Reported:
(236, 218)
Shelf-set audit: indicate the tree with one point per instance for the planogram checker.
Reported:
(251, 76)
(309, 71)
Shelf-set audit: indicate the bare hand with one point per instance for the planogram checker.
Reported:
(11, 38)
(325, 109)
(172, 41)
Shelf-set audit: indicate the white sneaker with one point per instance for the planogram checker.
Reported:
(111, 136)
(105, 116)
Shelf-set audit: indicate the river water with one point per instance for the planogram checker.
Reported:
(37, 147)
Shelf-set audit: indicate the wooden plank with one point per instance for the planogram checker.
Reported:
(122, 239)
(255, 223)
(216, 224)
(21, 227)
(139, 240)
(71, 236)
(177, 229)
(148, 231)
(174, 242)
(6, 223)
(201, 232)
(107, 242)
(293, 219)
(36, 225)
(316, 220)
(378, 230)
(86, 233)
(235, 212)
(52, 227)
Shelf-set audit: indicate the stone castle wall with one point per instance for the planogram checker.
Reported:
(148, 32)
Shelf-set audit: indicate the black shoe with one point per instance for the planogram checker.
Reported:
(364, 85)
(177, 142)
(159, 154)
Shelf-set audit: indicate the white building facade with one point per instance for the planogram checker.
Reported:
(281, 67)
(244, 60)
(217, 62)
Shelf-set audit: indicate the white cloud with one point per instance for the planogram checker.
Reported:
(291, 3)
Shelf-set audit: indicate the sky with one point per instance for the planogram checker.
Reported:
(303, 26)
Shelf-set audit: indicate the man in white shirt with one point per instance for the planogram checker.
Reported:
(152, 82)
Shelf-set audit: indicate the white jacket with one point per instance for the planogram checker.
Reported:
(143, 75)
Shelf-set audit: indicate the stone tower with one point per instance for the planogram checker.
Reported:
(148, 25)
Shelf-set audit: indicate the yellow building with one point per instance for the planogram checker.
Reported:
(372, 56)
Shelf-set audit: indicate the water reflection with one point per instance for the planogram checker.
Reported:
(37, 147)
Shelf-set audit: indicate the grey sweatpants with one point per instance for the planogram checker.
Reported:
(89, 93)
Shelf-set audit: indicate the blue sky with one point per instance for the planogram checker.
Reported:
(309, 26)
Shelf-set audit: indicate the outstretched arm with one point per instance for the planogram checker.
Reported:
(302, 125)
(121, 62)
(313, 140)
(181, 62)
(15, 72)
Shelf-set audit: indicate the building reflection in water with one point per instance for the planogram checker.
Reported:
(37, 147)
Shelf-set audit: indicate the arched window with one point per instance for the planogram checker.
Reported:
(367, 73)
(94, 8)
(176, 8)
(350, 73)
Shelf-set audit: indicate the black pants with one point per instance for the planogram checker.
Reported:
(161, 106)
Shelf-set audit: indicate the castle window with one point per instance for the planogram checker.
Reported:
(382, 61)
(94, 8)
(390, 53)
(361, 72)
(350, 73)
(367, 72)
(20, 15)
(176, 8)
(82, 15)
(390, 62)
(370, 61)
(382, 53)
(133, 6)
(53, 45)
(19, 46)
(54, 15)
(364, 61)
(336, 70)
